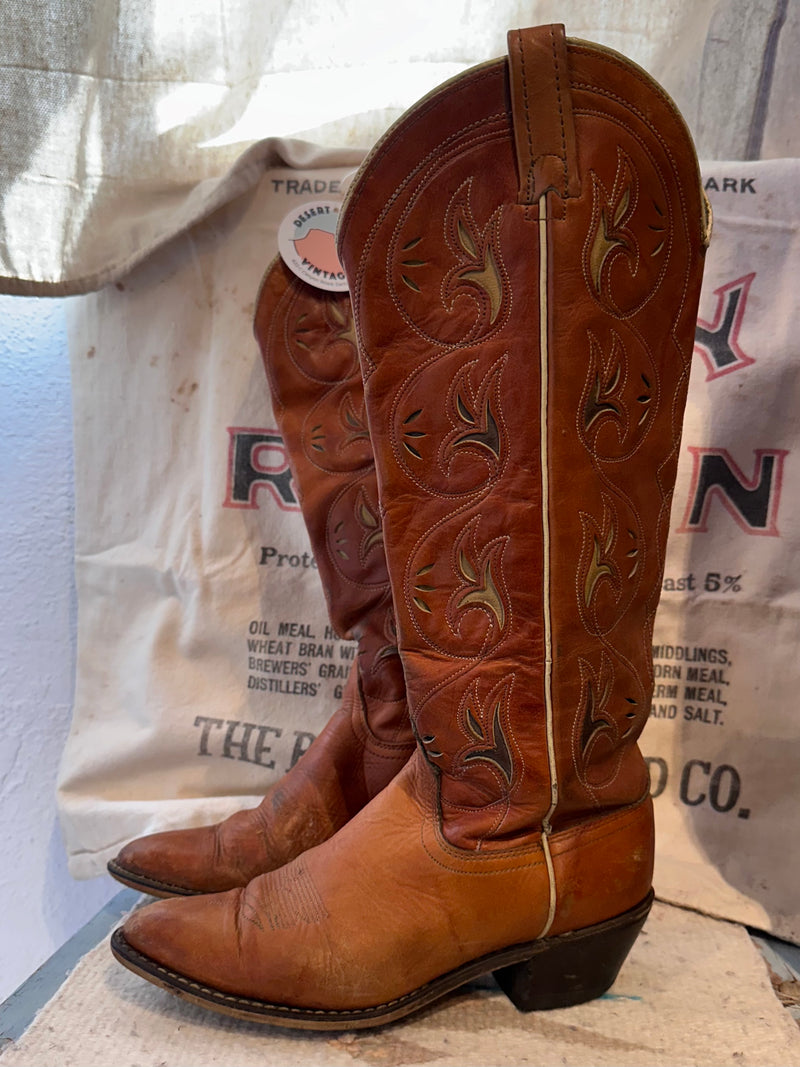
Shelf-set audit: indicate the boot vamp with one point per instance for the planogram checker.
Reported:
(386, 906)
(341, 771)
(191, 860)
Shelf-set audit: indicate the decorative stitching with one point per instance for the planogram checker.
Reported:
(528, 127)
(560, 110)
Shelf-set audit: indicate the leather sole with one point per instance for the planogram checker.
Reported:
(554, 972)
(147, 885)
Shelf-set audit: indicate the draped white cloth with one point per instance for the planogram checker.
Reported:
(125, 122)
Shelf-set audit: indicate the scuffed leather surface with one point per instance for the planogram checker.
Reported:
(386, 905)
(342, 770)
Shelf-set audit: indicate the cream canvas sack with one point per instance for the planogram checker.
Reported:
(723, 739)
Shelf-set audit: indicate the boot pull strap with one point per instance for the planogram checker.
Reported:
(541, 104)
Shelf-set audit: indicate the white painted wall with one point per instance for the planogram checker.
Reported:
(40, 905)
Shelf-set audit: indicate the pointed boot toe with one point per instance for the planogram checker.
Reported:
(171, 863)
(175, 943)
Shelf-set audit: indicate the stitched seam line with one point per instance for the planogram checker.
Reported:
(560, 110)
(593, 827)
(529, 179)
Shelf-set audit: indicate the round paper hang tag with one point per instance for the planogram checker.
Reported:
(307, 244)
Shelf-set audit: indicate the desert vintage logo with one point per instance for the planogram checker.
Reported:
(307, 244)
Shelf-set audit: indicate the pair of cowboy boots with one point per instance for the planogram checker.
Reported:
(524, 250)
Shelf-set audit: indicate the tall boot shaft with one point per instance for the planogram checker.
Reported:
(308, 344)
(525, 258)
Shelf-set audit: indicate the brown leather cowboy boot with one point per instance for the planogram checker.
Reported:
(308, 344)
(524, 249)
